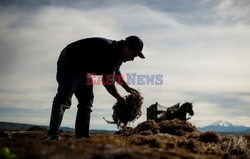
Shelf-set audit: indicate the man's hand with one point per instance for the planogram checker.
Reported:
(131, 90)
(126, 87)
(121, 99)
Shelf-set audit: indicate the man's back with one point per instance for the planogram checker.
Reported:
(93, 55)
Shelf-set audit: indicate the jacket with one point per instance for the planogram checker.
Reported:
(99, 56)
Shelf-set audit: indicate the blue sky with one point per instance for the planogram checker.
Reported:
(200, 47)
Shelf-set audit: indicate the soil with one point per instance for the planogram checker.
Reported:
(149, 140)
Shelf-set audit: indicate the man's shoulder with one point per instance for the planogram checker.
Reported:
(94, 40)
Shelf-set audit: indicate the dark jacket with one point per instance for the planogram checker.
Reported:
(93, 55)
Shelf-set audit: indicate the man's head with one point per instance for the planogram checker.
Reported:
(132, 48)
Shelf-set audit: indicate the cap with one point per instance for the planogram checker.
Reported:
(136, 44)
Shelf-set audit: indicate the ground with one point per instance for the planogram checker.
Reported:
(149, 140)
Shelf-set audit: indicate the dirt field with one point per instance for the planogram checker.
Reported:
(169, 139)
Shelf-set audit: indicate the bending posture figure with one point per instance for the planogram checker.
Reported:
(98, 56)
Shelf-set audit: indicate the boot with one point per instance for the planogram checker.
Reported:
(55, 122)
(82, 123)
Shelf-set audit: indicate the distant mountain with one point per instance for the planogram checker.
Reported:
(222, 123)
(225, 127)
(14, 126)
(20, 126)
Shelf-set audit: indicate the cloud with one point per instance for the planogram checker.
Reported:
(201, 49)
(233, 11)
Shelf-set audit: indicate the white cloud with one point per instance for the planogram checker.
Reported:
(208, 58)
(233, 11)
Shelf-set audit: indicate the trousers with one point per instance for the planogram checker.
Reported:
(70, 83)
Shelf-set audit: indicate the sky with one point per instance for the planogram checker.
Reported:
(201, 49)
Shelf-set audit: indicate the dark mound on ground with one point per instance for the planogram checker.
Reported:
(210, 136)
(174, 127)
(149, 125)
(37, 128)
(126, 131)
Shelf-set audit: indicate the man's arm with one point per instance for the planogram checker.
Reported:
(124, 84)
(113, 91)
(109, 84)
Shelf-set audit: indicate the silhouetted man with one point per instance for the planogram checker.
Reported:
(98, 56)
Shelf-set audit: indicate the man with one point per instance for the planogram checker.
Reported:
(98, 56)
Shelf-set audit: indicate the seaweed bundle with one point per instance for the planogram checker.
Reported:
(128, 111)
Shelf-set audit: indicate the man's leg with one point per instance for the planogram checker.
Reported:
(85, 96)
(67, 83)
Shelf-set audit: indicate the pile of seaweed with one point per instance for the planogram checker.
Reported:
(177, 136)
(128, 111)
(173, 127)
